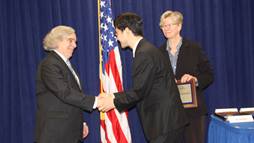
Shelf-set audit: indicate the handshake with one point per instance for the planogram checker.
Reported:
(105, 102)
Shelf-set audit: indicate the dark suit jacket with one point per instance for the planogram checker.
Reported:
(191, 60)
(154, 91)
(60, 101)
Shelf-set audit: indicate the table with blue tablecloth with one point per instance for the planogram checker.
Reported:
(221, 131)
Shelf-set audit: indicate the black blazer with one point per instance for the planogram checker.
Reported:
(154, 91)
(191, 60)
(59, 115)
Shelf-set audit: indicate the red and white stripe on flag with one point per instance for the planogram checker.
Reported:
(114, 125)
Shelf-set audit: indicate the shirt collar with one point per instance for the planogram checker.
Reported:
(135, 47)
(177, 47)
(61, 55)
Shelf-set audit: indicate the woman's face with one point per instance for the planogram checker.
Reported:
(170, 28)
(67, 45)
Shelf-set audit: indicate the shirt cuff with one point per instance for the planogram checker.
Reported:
(95, 103)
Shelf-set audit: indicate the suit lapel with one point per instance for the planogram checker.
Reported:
(66, 68)
(180, 58)
(165, 53)
(139, 46)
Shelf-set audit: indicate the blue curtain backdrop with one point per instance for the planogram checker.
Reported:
(222, 27)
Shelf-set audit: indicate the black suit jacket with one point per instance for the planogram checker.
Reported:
(60, 101)
(154, 91)
(191, 60)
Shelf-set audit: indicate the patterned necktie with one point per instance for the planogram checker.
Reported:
(73, 72)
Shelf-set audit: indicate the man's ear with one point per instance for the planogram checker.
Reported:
(127, 30)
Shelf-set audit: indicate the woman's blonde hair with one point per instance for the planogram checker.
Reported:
(176, 16)
(55, 35)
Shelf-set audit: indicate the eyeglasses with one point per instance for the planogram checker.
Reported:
(168, 25)
(71, 40)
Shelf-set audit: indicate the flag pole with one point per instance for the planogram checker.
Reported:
(114, 125)
(102, 115)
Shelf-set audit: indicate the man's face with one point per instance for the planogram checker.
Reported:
(122, 37)
(67, 45)
(170, 29)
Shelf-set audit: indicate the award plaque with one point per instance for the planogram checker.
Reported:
(187, 92)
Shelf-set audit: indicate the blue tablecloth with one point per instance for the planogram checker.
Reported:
(223, 132)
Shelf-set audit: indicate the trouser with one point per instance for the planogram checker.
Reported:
(174, 136)
(195, 132)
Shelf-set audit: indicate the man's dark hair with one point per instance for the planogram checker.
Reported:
(130, 20)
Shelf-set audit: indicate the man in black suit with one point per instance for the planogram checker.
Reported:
(188, 62)
(154, 90)
(60, 101)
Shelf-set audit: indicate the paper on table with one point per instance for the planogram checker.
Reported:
(223, 110)
(240, 118)
(249, 109)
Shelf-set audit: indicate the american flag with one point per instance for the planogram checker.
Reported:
(114, 125)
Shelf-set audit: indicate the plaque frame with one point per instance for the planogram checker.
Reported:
(190, 87)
